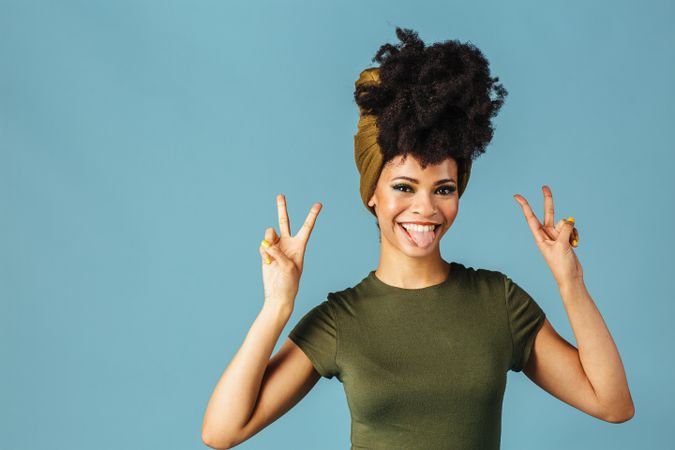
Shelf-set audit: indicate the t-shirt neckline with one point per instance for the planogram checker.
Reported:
(454, 267)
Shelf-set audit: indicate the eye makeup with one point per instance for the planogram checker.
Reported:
(449, 188)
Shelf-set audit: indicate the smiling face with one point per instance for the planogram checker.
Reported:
(407, 193)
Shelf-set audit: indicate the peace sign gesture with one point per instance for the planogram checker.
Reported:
(555, 242)
(283, 256)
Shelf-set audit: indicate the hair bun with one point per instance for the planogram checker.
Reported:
(430, 102)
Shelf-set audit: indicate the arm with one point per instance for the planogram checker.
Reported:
(592, 378)
(254, 391)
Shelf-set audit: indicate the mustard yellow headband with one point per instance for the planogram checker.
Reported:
(367, 152)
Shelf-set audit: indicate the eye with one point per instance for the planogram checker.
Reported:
(448, 189)
(397, 186)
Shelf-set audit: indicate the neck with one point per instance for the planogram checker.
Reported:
(398, 269)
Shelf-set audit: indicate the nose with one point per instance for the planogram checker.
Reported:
(424, 204)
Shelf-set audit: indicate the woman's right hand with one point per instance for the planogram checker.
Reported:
(285, 253)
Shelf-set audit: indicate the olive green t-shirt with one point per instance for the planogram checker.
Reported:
(423, 368)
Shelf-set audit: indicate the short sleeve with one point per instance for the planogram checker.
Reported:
(525, 319)
(316, 335)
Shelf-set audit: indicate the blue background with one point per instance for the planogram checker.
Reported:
(141, 148)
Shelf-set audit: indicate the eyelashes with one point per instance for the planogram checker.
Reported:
(449, 189)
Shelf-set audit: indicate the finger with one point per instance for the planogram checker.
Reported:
(548, 207)
(278, 255)
(559, 227)
(535, 226)
(284, 223)
(265, 257)
(306, 230)
(271, 235)
(566, 232)
(552, 232)
(574, 237)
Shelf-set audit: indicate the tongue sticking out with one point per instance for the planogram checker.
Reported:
(422, 238)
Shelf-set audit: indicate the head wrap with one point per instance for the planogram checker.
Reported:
(367, 152)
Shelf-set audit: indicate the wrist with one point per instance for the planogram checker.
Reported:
(278, 307)
(572, 286)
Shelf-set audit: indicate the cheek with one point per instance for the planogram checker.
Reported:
(393, 206)
(449, 210)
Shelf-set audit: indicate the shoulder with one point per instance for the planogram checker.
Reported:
(482, 276)
(351, 293)
(342, 302)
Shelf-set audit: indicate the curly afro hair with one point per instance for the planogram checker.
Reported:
(432, 102)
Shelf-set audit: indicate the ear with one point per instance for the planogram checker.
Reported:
(372, 201)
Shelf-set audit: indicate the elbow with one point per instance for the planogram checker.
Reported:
(621, 416)
(217, 442)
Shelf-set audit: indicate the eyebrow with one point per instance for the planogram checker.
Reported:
(444, 180)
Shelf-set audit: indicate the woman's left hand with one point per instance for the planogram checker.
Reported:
(554, 242)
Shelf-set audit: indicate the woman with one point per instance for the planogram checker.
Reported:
(421, 345)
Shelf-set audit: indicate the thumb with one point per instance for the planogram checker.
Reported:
(278, 255)
(271, 235)
(559, 225)
(566, 231)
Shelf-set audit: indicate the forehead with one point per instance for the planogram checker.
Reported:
(411, 167)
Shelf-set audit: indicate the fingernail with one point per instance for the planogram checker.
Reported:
(264, 243)
(267, 260)
(570, 219)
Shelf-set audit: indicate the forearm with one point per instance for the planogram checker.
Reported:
(236, 393)
(597, 351)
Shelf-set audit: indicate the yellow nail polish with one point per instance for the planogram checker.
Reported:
(264, 243)
(268, 261)
(570, 219)
(574, 243)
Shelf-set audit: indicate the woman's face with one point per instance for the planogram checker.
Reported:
(406, 194)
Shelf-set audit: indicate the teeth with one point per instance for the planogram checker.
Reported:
(415, 227)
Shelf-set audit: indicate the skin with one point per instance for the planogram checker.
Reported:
(591, 377)
(403, 264)
(255, 390)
